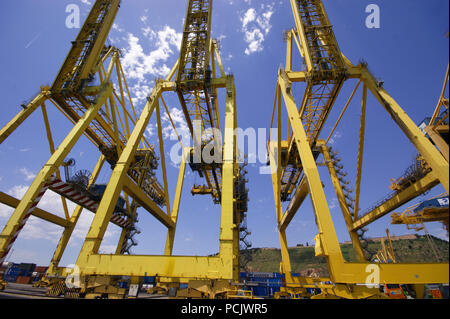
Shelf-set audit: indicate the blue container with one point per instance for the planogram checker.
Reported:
(10, 278)
(25, 273)
(27, 267)
(148, 280)
(101, 188)
(260, 291)
(123, 284)
(12, 271)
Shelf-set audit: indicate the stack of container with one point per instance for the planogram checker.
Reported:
(19, 273)
(11, 273)
(266, 284)
(262, 284)
(25, 273)
(38, 273)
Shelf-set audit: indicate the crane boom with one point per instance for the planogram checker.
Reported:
(325, 74)
(194, 88)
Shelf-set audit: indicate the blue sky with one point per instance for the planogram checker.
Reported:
(409, 52)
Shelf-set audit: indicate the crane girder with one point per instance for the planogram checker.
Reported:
(326, 73)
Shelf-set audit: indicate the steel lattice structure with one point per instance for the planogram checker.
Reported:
(294, 161)
(105, 114)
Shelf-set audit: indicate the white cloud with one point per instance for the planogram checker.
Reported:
(23, 254)
(256, 26)
(28, 175)
(139, 65)
(148, 33)
(5, 211)
(337, 135)
(143, 19)
(87, 2)
(107, 249)
(221, 37)
(334, 203)
(150, 130)
(180, 124)
(116, 27)
(249, 16)
(36, 228)
(255, 39)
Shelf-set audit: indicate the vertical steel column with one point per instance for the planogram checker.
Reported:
(64, 240)
(115, 184)
(228, 238)
(176, 201)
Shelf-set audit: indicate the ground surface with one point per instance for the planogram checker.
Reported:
(22, 291)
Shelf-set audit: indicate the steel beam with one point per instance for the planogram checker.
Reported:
(117, 180)
(12, 125)
(37, 212)
(300, 194)
(404, 196)
(49, 168)
(431, 155)
(146, 202)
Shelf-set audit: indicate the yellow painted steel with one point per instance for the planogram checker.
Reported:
(132, 189)
(53, 269)
(52, 150)
(225, 266)
(299, 196)
(431, 155)
(117, 181)
(176, 201)
(37, 212)
(360, 151)
(428, 214)
(49, 168)
(108, 130)
(23, 115)
(163, 159)
(435, 126)
(412, 191)
(342, 202)
(311, 21)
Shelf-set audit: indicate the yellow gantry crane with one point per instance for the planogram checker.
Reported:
(95, 112)
(105, 114)
(386, 254)
(294, 162)
(438, 126)
(435, 209)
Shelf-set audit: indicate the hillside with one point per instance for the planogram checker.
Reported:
(303, 258)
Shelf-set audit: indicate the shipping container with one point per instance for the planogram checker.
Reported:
(12, 271)
(27, 267)
(40, 269)
(36, 278)
(148, 280)
(123, 284)
(23, 280)
(10, 278)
